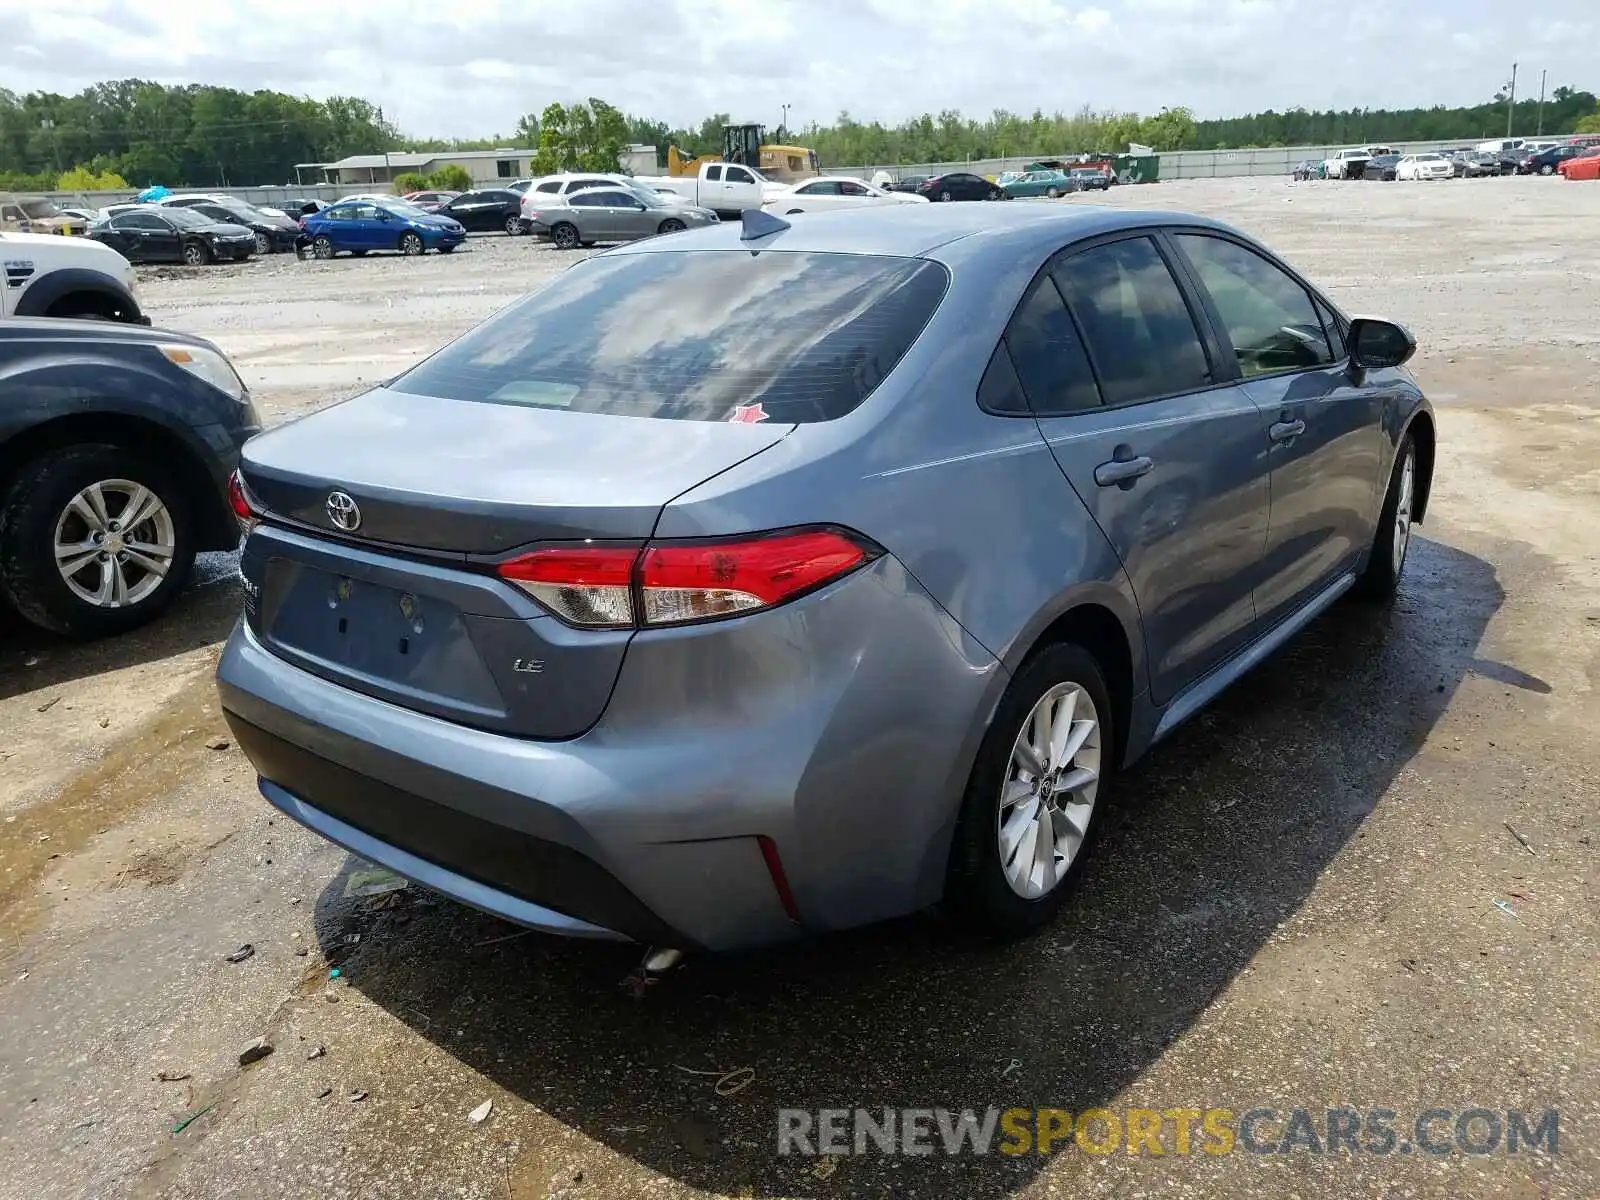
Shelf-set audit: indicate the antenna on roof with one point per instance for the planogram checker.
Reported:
(759, 224)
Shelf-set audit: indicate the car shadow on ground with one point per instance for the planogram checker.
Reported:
(1215, 839)
(202, 615)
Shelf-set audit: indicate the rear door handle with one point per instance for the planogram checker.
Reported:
(1122, 470)
(1282, 431)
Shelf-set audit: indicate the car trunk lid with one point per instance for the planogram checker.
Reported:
(405, 604)
(472, 478)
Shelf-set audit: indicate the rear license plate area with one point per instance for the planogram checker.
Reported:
(366, 627)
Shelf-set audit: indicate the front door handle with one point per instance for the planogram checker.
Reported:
(1282, 431)
(1120, 471)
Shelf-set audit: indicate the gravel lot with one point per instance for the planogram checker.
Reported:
(1307, 897)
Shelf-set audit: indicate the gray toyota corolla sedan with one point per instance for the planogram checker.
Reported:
(776, 578)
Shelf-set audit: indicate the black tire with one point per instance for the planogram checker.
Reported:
(564, 235)
(1547, 169)
(196, 254)
(28, 519)
(322, 246)
(411, 244)
(996, 194)
(1380, 582)
(92, 306)
(447, 249)
(263, 244)
(1053, 193)
(946, 197)
(515, 227)
(671, 225)
(977, 894)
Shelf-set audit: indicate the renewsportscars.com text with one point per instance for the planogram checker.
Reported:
(1259, 1130)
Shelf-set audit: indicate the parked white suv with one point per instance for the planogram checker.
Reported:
(51, 276)
(560, 185)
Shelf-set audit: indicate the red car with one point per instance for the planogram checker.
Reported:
(429, 201)
(1585, 166)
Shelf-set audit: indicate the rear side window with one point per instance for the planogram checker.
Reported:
(138, 221)
(549, 187)
(1000, 391)
(1141, 338)
(1335, 332)
(706, 335)
(1048, 356)
(1268, 316)
(714, 174)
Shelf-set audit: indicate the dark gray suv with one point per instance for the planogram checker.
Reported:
(773, 578)
(116, 443)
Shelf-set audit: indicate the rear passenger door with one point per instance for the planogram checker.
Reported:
(1164, 451)
(1324, 436)
(363, 230)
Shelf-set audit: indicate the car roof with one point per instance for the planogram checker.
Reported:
(915, 231)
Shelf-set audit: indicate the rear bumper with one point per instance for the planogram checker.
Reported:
(841, 727)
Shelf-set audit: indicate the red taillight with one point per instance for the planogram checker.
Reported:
(584, 585)
(689, 582)
(670, 583)
(780, 880)
(244, 507)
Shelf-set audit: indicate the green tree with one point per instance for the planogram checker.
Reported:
(527, 131)
(1170, 129)
(1589, 124)
(82, 179)
(584, 137)
(452, 177)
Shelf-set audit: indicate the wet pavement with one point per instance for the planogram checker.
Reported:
(1366, 876)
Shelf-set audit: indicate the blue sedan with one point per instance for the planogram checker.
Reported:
(362, 225)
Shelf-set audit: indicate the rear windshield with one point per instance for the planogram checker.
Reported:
(705, 335)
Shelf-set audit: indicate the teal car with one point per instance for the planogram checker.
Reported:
(1041, 183)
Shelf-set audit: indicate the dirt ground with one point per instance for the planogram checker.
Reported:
(1308, 897)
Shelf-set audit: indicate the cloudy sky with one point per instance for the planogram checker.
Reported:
(469, 69)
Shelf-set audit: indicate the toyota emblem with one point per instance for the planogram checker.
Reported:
(343, 511)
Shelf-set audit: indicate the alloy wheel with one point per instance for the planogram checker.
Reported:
(1047, 798)
(1404, 498)
(115, 543)
(263, 244)
(322, 246)
(194, 254)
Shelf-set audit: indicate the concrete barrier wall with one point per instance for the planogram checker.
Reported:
(1181, 164)
(254, 195)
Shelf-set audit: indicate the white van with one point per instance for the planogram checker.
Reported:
(1501, 145)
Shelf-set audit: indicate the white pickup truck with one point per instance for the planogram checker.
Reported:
(727, 189)
(46, 275)
(1349, 164)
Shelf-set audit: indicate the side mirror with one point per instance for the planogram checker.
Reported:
(1377, 343)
